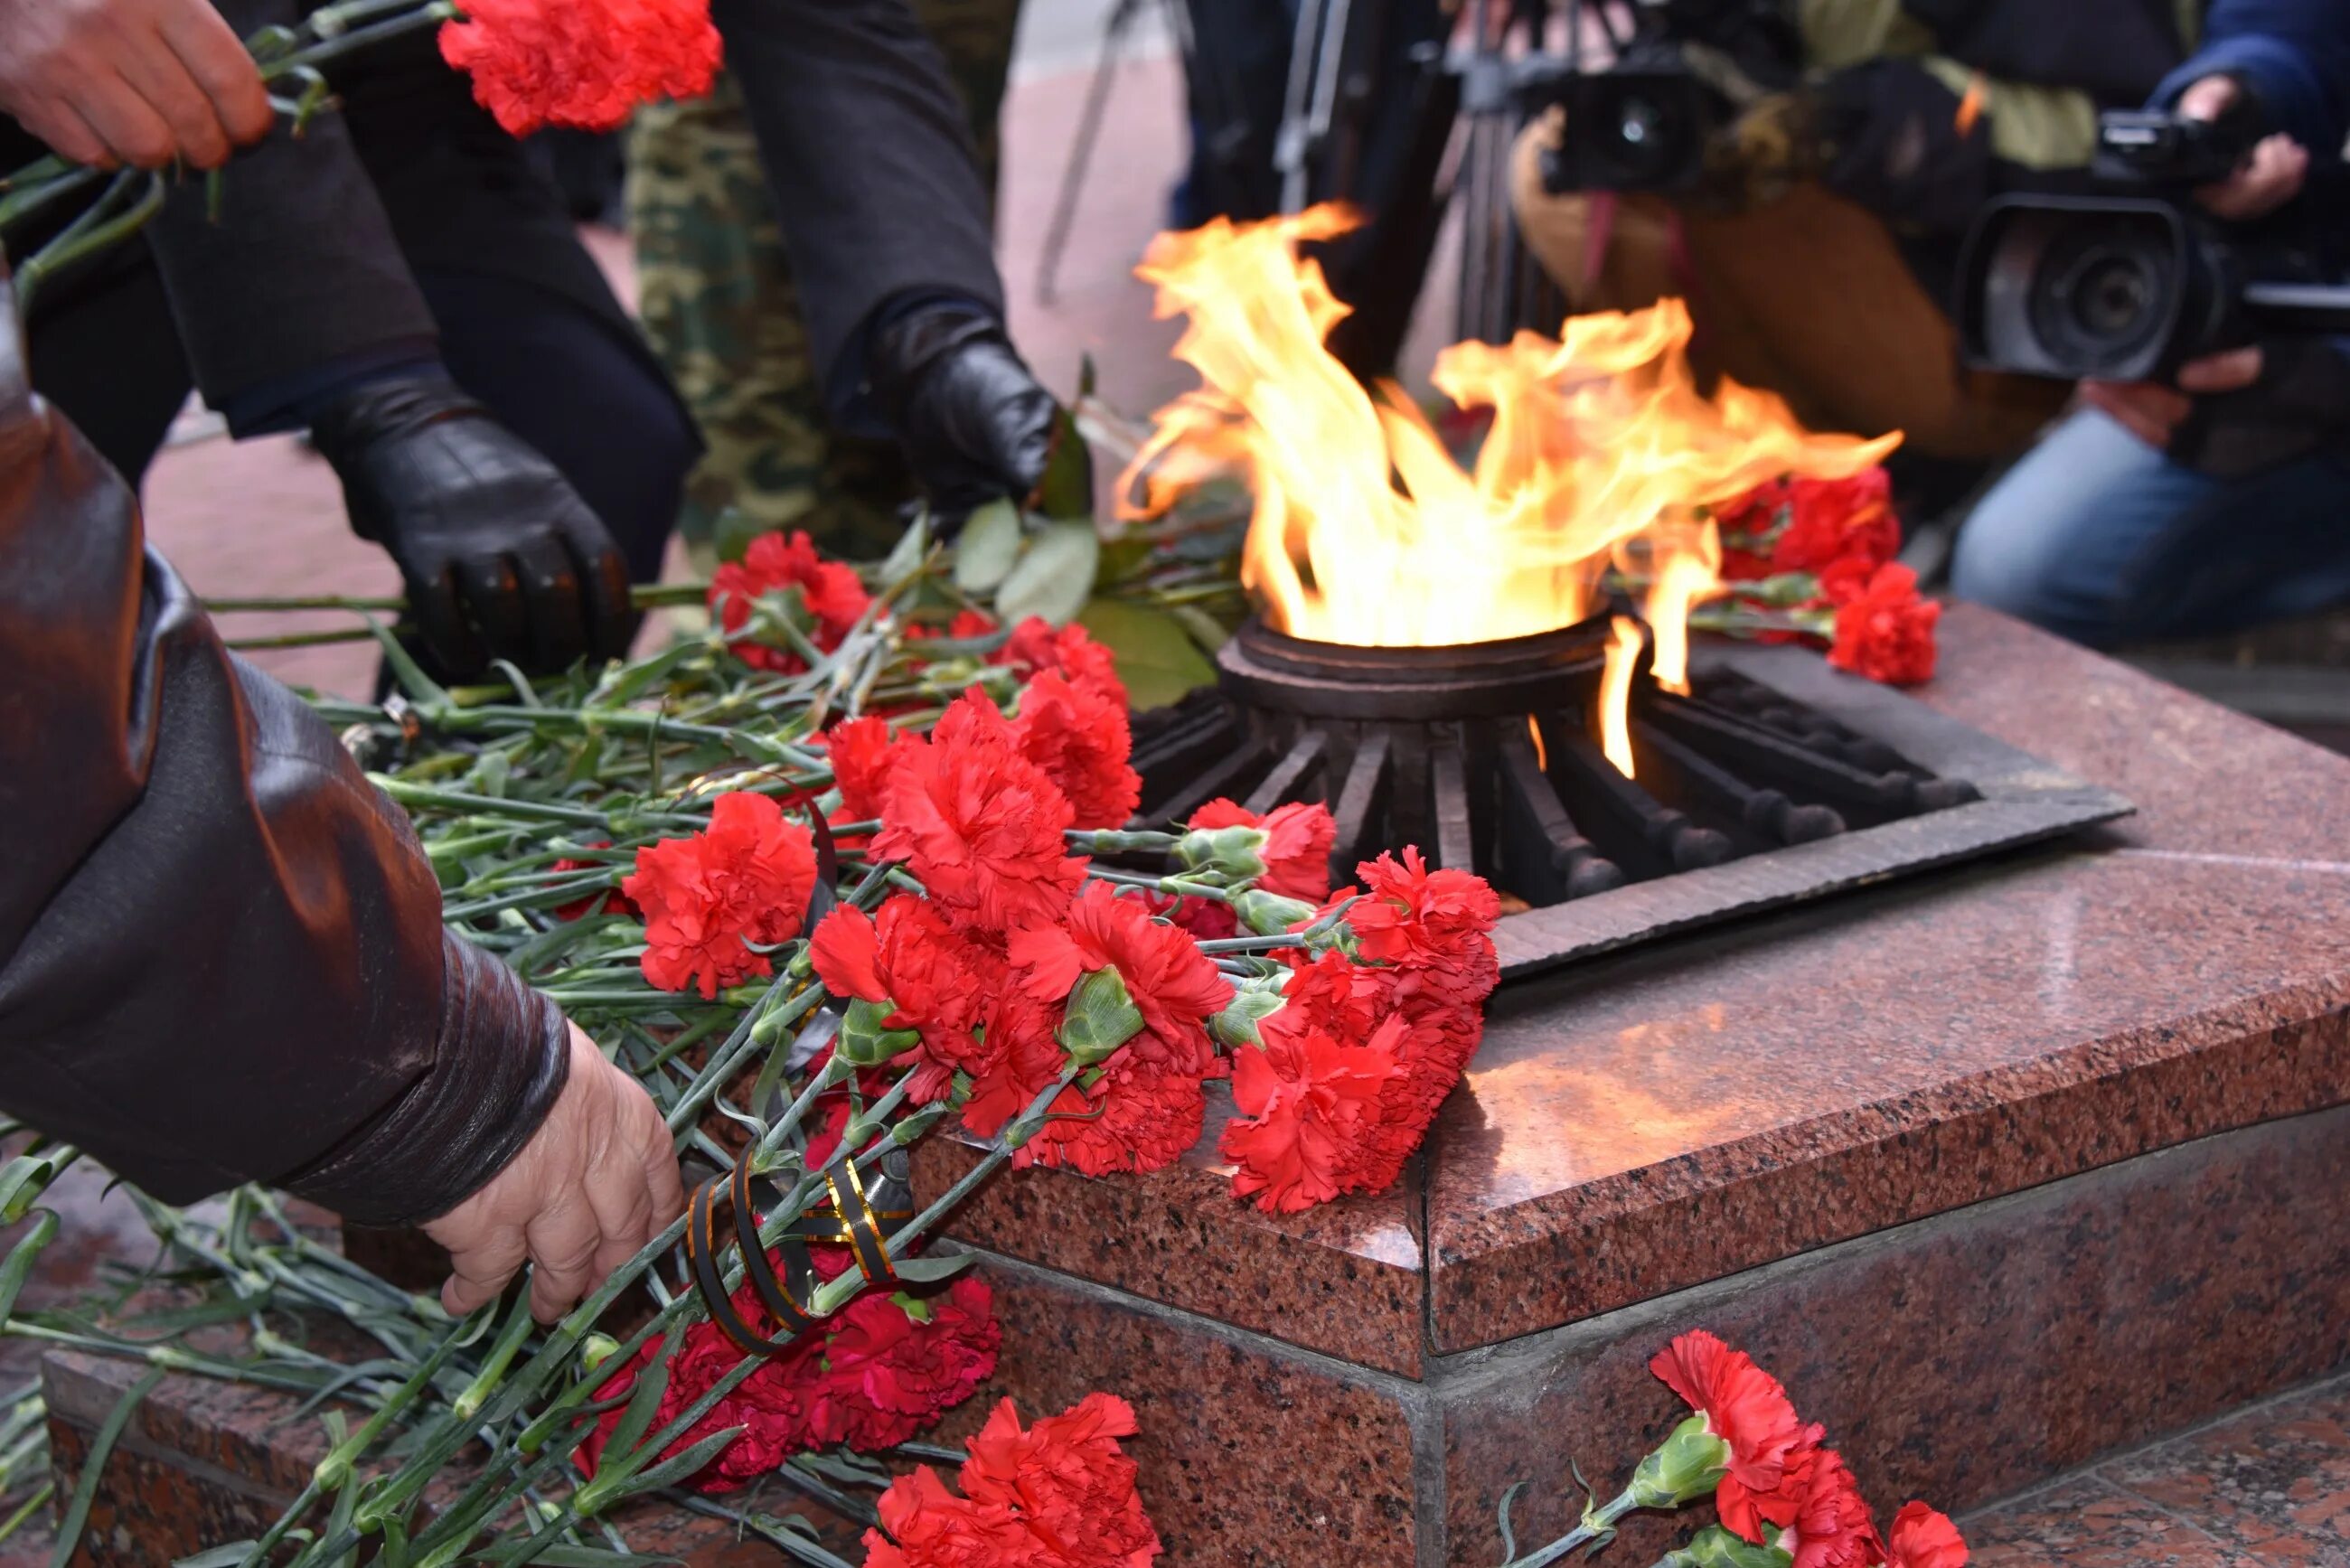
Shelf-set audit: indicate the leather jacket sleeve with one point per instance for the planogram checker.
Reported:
(221, 951)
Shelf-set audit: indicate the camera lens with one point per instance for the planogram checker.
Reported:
(1647, 141)
(2101, 293)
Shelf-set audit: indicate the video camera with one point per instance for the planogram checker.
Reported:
(1641, 122)
(2131, 281)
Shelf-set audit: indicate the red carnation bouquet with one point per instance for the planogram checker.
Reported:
(1812, 560)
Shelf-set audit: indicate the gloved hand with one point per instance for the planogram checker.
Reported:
(502, 558)
(973, 421)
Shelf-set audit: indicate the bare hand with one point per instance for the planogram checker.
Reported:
(2266, 181)
(2152, 412)
(130, 81)
(595, 1183)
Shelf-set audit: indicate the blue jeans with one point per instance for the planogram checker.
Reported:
(2098, 538)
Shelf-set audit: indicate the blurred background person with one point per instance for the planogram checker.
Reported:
(2214, 504)
(1819, 249)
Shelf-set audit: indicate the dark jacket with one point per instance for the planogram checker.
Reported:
(221, 951)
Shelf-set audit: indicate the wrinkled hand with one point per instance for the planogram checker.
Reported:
(2269, 177)
(595, 1183)
(2154, 412)
(501, 556)
(130, 81)
(973, 419)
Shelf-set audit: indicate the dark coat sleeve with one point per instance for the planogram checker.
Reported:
(300, 268)
(869, 156)
(221, 950)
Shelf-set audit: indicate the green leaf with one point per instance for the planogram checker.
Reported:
(1066, 491)
(567, 1556)
(24, 1179)
(683, 1464)
(1157, 657)
(1055, 579)
(929, 1271)
(227, 1557)
(1206, 630)
(912, 546)
(21, 1258)
(93, 1465)
(988, 547)
(734, 533)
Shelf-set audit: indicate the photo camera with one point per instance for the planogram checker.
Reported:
(1640, 125)
(2130, 281)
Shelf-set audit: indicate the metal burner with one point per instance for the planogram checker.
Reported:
(1776, 780)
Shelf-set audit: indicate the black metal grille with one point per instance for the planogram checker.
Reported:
(1488, 757)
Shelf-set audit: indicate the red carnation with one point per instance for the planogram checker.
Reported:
(860, 751)
(833, 597)
(1884, 631)
(1433, 930)
(881, 1376)
(934, 978)
(1298, 839)
(1066, 1480)
(604, 900)
(889, 1373)
(1060, 1494)
(1831, 1527)
(707, 897)
(1924, 1538)
(1078, 734)
(1173, 984)
(1036, 647)
(1138, 1115)
(584, 64)
(1746, 1408)
(978, 822)
(1021, 1059)
(1314, 1098)
(930, 1527)
(1831, 519)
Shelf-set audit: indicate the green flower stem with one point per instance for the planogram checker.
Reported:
(798, 1547)
(1599, 1525)
(425, 797)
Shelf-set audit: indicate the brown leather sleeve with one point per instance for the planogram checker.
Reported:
(221, 951)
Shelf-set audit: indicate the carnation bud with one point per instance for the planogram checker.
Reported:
(1235, 852)
(596, 1349)
(866, 1040)
(1714, 1547)
(1101, 1017)
(1269, 914)
(1235, 1026)
(1685, 1467)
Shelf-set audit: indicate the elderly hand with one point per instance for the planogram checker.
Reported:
(130, 81)
(595, 1183)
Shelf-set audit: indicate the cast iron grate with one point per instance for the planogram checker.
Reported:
(1775, 780)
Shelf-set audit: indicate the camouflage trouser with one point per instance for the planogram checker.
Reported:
(723, 310)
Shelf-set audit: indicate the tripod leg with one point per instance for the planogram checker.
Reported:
(1081, 152)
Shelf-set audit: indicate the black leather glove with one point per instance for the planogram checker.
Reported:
(973, 421)
(502, 558)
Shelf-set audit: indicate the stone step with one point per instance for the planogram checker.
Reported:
(2265, 1485)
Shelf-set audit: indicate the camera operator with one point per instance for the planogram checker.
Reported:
(2213, 504)
(1817, 248)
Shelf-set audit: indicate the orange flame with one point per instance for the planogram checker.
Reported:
(1367, 531)
(1616, 694)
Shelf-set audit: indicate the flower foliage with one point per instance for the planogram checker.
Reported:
(585, 65)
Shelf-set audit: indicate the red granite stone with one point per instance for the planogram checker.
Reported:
(1743, 1096)
(1963, 1357)
(2089, 1524)
(1344, 1279)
